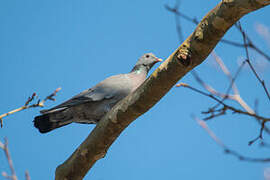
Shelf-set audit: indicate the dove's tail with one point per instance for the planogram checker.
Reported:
(47, 122)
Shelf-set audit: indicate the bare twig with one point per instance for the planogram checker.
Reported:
(178, 13)
(246, 39)
(250, 44)
(214, 111)
(209, 88)
(259, 79)
(50, 97)
(177, 22)
(13, 176)
(236, 96)
(227, 150)
(227, 73)
(208, 130)
(226, 107)
(39, 103)
(236, 44)
(218, 112)
(27, 176)
(260, 136)
(232, 85)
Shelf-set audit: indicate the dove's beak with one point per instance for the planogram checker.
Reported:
(158, 60)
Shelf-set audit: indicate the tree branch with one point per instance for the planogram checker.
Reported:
(191, 53)
(214, 112)
(13, 176)
(227, 150)
(27, 105)
(250, 44)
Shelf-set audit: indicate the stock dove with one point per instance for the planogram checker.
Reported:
(91, 105)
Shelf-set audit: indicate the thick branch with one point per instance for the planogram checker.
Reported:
(191, 53)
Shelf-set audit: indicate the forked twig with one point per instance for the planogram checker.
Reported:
(226, 107)
(260, 136)
(219, 97)
(250, 44)
(227, 150)
(27, 105)
(13, 176)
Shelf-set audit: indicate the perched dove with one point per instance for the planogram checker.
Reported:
(92, 104)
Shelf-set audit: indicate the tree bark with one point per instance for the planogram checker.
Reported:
(191, 53)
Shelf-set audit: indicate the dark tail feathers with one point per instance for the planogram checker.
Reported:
(44, 123)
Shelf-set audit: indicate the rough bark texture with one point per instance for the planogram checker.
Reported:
(191, 53)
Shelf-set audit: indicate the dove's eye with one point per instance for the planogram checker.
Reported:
(147, 56)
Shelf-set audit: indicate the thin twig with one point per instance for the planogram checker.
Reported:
(233, 97)
(233, 109)
(246, 40)
(204, 125)
(259, 79)
(209, 88)
(260, 136)
(227, 73)
(232, 43)
(27, 106)
(250, 44)
(13, 176)
(214, 112)
(232, 84)
(236, 96)
(177, 22)
(27, 176)
(174, 10)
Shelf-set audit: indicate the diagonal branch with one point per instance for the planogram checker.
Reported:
(250, 44)
(225, 106)
(27, 105)
(259, 79)
(191, 53)
(13, 176)
(204, 125)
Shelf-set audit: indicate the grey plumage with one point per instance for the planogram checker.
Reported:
(92, 104)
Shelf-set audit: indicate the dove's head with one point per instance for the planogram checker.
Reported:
(147, 61)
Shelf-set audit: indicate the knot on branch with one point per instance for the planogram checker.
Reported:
(100, 155)
(183, 55)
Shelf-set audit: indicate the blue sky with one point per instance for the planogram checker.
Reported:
(76, 44)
